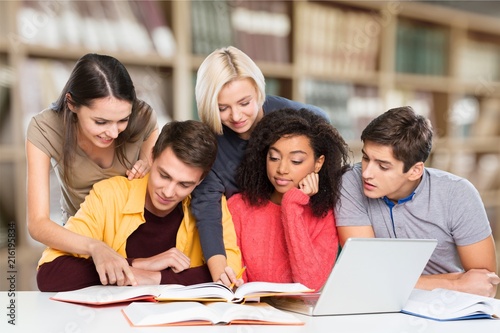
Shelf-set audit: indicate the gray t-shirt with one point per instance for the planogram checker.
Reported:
(444, 206)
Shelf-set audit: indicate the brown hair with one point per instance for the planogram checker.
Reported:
(409, 135)
(97, 76)
(192, 142)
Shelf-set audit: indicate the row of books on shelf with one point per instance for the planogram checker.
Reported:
(424, 49)
(479, 60)
(261, 29)
(42, 80)
(330, 39)
(334, 40)
(421, 49)
(210, 26)
(135, 26)
(351, 107)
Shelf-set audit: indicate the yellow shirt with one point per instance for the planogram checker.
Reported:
(114, 209)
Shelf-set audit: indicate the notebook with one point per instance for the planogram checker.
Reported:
(371, 275)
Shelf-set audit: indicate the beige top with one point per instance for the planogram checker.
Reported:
(45, 131)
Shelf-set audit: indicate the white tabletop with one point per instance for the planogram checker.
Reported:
(34, 312)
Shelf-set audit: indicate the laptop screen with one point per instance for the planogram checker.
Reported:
(371, 275)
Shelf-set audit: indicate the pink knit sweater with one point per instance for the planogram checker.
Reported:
(285, 243)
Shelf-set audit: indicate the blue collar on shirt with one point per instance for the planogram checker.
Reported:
(391, 204)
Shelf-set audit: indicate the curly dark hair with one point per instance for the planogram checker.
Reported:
(325, 140)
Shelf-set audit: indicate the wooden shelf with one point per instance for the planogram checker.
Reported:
(479, 87)
(424, 82)
(369, 78)
(472, 144)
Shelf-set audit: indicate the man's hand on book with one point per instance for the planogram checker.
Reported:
(144, 277)
(173, 258)
(478, 281)
(475, 281)
(111, 267)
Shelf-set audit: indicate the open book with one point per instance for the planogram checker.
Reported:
(444, 304)
(210, 291)
(214, 313)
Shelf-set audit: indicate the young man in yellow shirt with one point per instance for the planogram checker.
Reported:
(148, 221)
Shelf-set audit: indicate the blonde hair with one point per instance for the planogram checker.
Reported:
(222, 66)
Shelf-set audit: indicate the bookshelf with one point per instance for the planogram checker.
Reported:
(442, 61)
(345, 56)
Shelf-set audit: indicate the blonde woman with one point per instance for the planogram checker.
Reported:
(231, 99)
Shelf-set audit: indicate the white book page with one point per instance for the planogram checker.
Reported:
(147, 314)
(260, 312)
(449, 304)
(109, 294)
(105, 294)
(266, 288)
(209, 290)
(150, 314)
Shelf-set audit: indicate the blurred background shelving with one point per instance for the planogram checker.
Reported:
(355, 59)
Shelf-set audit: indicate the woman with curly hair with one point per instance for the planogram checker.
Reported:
(290, 181)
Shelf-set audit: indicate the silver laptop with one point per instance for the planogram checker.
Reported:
(371, 275)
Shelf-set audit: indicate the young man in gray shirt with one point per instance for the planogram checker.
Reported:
(391, 194)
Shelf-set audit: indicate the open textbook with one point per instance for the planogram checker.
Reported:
(212, 313)
(210, 291)
(444, 304)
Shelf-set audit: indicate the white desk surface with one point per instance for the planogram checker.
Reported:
(35, 312)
